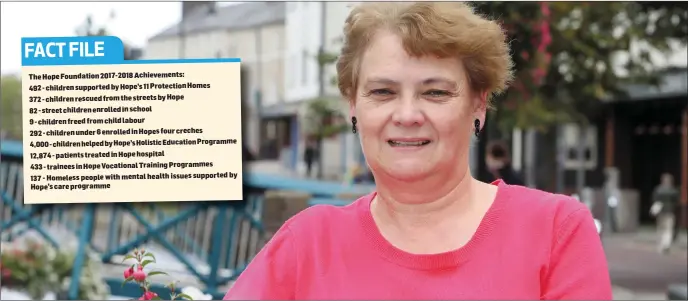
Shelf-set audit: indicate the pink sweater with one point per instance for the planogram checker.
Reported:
(530, 245)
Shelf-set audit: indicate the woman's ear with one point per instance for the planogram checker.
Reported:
(480, 103)
(352, 108)
(480, 108)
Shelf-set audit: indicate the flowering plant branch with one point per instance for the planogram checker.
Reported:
(135, 273)
(37, 269)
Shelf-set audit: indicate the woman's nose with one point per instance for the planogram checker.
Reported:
(408, 113)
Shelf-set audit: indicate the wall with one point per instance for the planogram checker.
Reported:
(304, 30)
(304, 34)
(262, 53)
(197, 45)
(336, 13)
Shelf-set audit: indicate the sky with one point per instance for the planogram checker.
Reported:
(134, 22)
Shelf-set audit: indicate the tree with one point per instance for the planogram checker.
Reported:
(10, 107)
(565, 55)
(567, 61)
(324, 117)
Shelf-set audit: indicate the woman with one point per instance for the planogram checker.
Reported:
(418, 78)
(665, 198)
(498, 161)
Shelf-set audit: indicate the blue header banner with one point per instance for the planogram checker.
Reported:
(93, 50)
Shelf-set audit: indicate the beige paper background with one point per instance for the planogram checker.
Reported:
(216, 110)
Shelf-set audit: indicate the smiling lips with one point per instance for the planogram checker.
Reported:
(414, 142)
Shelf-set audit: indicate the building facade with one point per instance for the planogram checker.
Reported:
(310, 26)
(254, 32)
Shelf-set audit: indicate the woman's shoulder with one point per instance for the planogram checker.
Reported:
(321, 220)
(542, 206)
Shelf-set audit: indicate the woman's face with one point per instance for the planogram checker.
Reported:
(415, 115)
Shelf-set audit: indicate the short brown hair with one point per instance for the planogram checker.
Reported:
(443, 29)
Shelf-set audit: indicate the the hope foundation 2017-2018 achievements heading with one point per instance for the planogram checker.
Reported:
(98, 128)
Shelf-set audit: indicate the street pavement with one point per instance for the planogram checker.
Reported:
(638, 271)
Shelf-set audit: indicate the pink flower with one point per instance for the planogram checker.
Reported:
(538, 75)
(128, 272)
(148, 296)
(525, 55)
(544, 9)
(139, 276)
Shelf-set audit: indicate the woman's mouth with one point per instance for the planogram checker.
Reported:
(408, 143)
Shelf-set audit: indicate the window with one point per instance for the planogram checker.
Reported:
(571, 141)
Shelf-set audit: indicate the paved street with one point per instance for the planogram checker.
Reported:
(638, 271)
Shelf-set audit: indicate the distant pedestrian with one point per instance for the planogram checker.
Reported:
(665, 199)
(498, 161)
(248, 155)
(678, 215)
(309, 155)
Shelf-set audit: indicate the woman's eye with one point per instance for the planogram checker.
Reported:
(381, 92)
(437, 93)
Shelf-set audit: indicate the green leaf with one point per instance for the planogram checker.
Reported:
(128, 257)
(156, 273)
(185, 296)
(146, 262)
(172, 285)
(150, 255)
(326, 58)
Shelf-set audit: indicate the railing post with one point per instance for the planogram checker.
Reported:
(114, 228)
(216, 249)
(85, 234)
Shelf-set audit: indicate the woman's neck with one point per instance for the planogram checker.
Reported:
(427, 219)
(413, 204)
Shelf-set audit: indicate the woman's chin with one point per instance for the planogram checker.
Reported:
(408, 171)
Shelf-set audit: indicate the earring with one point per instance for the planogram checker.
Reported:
(477, 127)
(353, 125)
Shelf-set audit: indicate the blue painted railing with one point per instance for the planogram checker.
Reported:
(208, 243)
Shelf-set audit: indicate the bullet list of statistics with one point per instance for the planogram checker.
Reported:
(85, 133)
